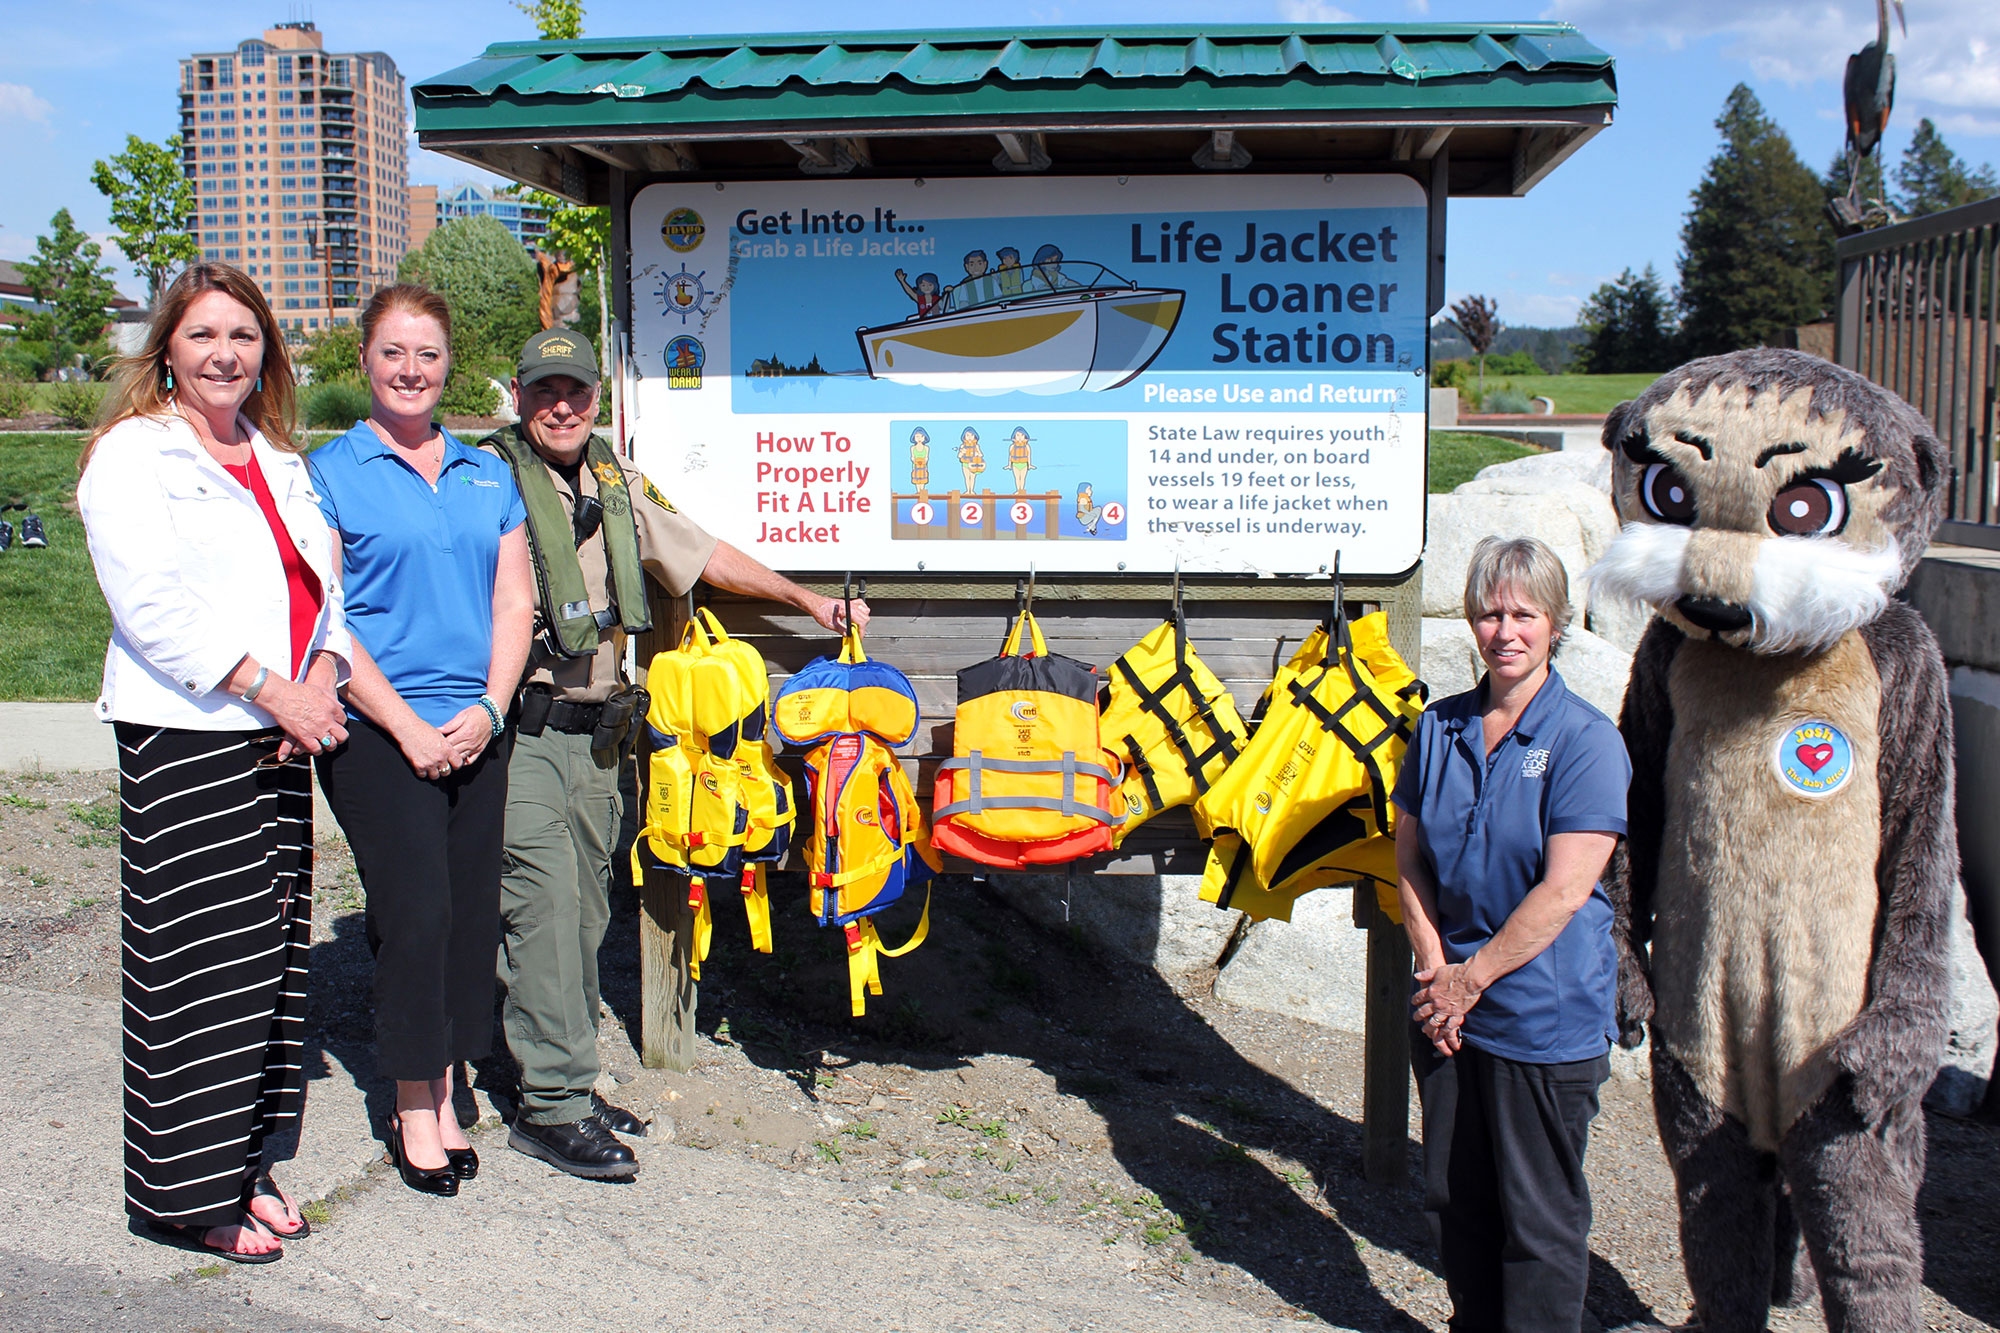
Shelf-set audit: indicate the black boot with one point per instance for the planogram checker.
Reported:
(582, 1148)
(617, 1118)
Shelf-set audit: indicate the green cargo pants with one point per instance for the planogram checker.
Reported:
(563, 811)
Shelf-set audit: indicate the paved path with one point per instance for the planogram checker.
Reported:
(58, 737)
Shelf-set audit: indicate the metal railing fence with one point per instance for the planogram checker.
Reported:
(1919, 302)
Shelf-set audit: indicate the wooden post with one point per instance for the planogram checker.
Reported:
(666, 987)
(1385, 1073)
(666, 925)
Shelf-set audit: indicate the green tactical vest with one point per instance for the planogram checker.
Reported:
(567, 624)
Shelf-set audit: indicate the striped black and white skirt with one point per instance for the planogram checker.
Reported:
(217, 878)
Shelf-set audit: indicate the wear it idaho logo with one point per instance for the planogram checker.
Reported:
(1814, 758)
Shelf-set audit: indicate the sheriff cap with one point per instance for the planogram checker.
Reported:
(557, 352)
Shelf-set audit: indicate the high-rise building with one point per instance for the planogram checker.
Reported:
(423, 213)
(301, 167)
(472, 201)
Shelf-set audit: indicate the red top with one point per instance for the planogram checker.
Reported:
(300, 581)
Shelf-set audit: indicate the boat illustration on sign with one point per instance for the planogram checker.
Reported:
(1053, 328)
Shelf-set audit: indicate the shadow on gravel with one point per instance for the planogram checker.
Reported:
(1182, 1108)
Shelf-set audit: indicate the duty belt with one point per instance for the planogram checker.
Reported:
(573, 719)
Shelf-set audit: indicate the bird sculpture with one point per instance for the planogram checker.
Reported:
(1869, 90)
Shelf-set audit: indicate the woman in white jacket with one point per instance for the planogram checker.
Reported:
(227, 648)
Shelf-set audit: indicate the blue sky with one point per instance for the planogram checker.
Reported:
(75, 78)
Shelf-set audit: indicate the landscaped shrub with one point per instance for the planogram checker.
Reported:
(336, 404)
(469, 393)
(75, 402)
(1506, 400)
(15, 395)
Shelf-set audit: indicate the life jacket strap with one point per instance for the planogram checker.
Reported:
(1154, 700)
(757, 907)
(704, 925)
(1070, 767)
(865, 951)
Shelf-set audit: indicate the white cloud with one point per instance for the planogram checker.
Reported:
(18, 102)
(1420, 6)
(1951, 55)
(1312, 11)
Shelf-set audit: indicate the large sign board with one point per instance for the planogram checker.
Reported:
(1083, 374)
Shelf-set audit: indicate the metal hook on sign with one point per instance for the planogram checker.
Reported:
(1024, 592)
(1180, 616)
(847, 596)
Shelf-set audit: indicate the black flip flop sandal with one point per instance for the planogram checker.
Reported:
(265, 1188)
(191, 1239)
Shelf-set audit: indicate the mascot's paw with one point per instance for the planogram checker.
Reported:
(1635, 998)
(1890, 1053)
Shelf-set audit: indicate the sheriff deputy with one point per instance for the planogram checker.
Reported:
(596, 529)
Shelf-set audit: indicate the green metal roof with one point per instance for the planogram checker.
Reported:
(1051, 71)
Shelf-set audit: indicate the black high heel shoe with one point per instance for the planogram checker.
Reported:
(441, 1180)
(464, 1162)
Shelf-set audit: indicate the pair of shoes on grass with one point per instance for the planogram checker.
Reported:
(32, 536)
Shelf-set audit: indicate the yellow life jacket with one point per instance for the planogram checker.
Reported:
(1029, 782)
(1307, 804)
(1171, 722)
(713, 804)
(867, 846)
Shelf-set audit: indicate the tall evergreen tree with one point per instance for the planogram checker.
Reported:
(1628, 324)
(1756, 248)
(1934, 178)
(67, 273)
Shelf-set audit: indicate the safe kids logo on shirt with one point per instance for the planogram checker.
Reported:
(1814, 758)
(1534, 763)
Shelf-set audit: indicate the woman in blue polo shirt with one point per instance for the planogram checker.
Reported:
(440, 598)
(1510, 802)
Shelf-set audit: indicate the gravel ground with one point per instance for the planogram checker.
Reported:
(1213, 1146)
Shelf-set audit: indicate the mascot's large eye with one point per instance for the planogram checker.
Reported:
(1666, 494)
(1815, 507)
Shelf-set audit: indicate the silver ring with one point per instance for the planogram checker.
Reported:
(326, 741)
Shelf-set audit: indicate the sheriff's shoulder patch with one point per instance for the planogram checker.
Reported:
(652, 492)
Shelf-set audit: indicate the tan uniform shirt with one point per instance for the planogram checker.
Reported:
(673, 548)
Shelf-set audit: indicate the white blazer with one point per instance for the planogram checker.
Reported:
(185, 559)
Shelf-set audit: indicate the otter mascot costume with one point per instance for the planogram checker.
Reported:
(1782, 900)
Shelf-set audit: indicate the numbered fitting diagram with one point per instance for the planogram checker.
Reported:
(1000, 479)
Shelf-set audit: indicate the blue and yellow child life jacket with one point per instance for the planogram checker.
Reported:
(1172, 723)
(1029, 781)
(713, 804)
(1306, 805)
(867, 845)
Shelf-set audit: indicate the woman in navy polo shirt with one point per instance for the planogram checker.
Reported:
(1510, 802)
(440, 597)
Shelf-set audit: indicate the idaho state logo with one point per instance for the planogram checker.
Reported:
(1813, 758)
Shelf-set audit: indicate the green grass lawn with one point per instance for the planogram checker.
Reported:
(56, 622)
(1456, 455)
(1575, 393)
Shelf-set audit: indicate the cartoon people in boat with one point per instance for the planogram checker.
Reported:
(1048, 275)
(971, 459)
(927, 294)
(1008, 274)
(920, 461)
(1020, 459)
(1087, 512)
(977, 287)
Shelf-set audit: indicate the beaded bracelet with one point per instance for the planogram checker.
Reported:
(493, 715)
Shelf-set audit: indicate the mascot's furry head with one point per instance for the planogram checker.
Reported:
(1771, 500)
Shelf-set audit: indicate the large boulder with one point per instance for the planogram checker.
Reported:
(1457, 522)
(1960, 1086)
(1617, 621)
(1559, 465)
(1314, 966)
(1157, 921)
(1594, 669)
